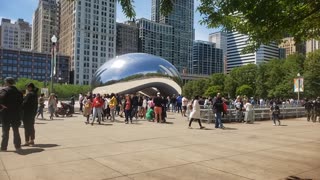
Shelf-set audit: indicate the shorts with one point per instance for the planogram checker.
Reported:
(157, 110)
(184, 108)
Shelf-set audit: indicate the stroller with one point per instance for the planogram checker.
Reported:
(65, 110)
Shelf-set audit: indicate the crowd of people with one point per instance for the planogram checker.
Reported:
(14, 107)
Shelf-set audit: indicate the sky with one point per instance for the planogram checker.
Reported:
(15, 9)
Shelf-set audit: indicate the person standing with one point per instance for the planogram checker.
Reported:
(113, 105)
(308, 107)
(195, 112)
(87, 108)
(29, 106)
(275, 112)
(184, 106)
(173, 102)
(41, 105)
(218, 109)
(52, 103)
(128, 109)
(10, 108)
(97, 108)
(158, 107)
(81, 102)
(179, 103)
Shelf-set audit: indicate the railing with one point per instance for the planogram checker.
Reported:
(207, 114)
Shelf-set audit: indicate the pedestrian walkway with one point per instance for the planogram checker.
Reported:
(67, 149)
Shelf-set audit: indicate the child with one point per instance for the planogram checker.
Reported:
(150, 114)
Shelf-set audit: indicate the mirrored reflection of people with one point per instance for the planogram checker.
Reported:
(30, 106)
(10, 107)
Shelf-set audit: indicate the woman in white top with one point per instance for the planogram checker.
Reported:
(195, 113)
(249, 113)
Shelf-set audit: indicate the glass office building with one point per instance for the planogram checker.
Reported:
(27, 64)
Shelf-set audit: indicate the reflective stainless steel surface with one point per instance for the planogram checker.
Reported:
(148, 71)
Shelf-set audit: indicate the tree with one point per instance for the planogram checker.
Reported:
(212, 91)
(264, 21)
(312, 74)
(245, 90)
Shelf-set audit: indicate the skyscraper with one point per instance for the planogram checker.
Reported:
(127, 38)
(220, 39)
(87, 35)
(235, 58)
(44, 25)
(312, 45)
(156, 38)
(15, 35)
(181, 19)
(206, 59)
(291, 47)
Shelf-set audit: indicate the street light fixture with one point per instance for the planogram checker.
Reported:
(53, 59)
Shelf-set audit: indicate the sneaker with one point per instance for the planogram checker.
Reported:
(126, 122)
(190, 127)
(274, 124)
(202, 127)
(31, 143)
(26, 144)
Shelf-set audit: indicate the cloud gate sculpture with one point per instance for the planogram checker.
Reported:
(137, 72)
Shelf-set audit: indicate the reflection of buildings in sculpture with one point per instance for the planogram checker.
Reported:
(135, 72)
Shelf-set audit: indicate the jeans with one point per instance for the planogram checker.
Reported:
(112, 113)
(134, 111)
(28, 124)
(218, 122)
(179, 109)
(97, 111)
(5, 134)
(40, 111)
(128, 115)
(173, 106)
(275, 117)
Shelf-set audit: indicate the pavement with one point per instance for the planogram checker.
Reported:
(68, 149)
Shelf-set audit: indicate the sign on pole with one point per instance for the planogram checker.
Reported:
(298, 85)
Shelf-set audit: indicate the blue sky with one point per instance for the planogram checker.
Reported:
(14, 9)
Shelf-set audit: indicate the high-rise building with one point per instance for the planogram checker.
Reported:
(312, 45)
(87, 35)
(15, 35)
(235, 58)
(33, 65)
(127, 38)
(44, 25)
(156, 38)
(291, 47)
(220, 39)
(181, 19)
(206, 59)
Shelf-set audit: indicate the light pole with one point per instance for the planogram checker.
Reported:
(298, 88)
(53, 58)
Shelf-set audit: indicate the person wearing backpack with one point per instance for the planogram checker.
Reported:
(275, 110)
(218, 109)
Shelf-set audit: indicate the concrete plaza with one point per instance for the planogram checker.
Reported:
(67, 149)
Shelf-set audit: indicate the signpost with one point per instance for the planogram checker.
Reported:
(298, 85)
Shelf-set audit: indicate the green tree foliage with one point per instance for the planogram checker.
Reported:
(273, 79)
(62, 90)
(312, 74)
(212, 91)
(245, 90)
(264, 21)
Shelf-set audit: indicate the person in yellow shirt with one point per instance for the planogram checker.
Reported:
(112, 104)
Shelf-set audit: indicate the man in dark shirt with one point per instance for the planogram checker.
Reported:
(158, 107)
(218, 109)
(10, 107)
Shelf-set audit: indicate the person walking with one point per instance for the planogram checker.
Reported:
(195, 112)
(184, 106)
(275, 112)
(81, 102)
(87, 108)
(97, 108)
(29, 106)
(10, 110)
(218, 109)
(52, 103)
(158, 107)
(41, 106)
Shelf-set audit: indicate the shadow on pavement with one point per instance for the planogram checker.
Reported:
(228, 128)
(29, 151)
(295, 178)
(39, 123)
(51, 119)
(45, 145)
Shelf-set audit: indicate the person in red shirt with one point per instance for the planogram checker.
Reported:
(97, 105)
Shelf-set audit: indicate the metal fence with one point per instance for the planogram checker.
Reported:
(208, 115)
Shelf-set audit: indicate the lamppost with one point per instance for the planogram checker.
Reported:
(53, 59)
(298, 88)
